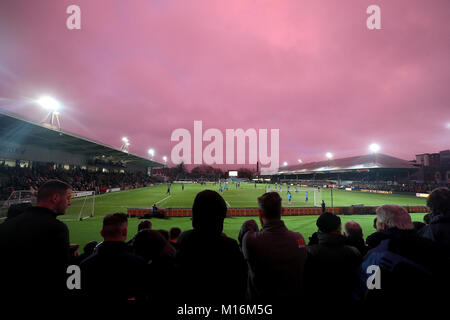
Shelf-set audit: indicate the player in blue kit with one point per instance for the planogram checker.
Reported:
(289, 197)
(306, 197)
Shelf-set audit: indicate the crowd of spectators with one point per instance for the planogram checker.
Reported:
(267, 265)
(17, 178)
(411, 187)
(393, 186)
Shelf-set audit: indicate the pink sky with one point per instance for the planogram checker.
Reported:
(312, 69)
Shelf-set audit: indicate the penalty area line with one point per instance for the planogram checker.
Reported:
(163, 199)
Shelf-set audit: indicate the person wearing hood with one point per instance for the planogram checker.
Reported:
(211, 266)
(438, 229)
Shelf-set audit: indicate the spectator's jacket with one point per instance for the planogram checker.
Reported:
(211, 267)
(438, 230)
(331, 268)
(276, 259)
(113, 275)
(375, 238)
(358, 243)
(34, 251)
(409, 266)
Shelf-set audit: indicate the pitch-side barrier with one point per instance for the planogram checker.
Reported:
(242, 212)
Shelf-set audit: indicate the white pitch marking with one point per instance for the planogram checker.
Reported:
(163, 199)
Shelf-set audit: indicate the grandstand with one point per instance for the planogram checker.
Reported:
(346, 171)
(30, 153)
(27, 142)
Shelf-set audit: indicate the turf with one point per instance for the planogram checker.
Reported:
(84, 231)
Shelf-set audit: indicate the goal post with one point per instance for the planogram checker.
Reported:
(314, 194)
(82, 206)
(317, 197)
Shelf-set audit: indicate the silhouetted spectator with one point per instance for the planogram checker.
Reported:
(427, 218)
(275, 256)
(354, 236)
(34, 247)
(164, 233)
(439, 227)
(212, 268)
(87, 251)
(391, 226)
(112, 274)
(249, 225)
(409, 264)
(143, 225)
(418, 225)
(330, 270)
(174, 233)
(16, 209)
(314, 239)
(160, 271)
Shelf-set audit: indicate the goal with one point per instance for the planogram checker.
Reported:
(82, 206)
(315, 193)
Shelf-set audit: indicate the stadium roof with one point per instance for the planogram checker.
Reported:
(370, 161)
(17, 130)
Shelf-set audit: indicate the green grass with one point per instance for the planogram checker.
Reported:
(87, 230)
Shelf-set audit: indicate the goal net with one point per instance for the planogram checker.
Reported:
(82, 206)
(314, 195)
(304, 196)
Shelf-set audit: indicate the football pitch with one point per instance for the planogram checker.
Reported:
(246, 196)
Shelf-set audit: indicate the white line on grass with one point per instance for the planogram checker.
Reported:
(163, 199)
(227, 203)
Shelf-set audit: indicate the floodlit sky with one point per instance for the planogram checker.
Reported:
(311, 69)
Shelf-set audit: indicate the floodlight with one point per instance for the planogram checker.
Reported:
(300, 161)
(285, 163)
(49, 103)
(329, 155)
(125, 139)
(374, 147)
(165, 159)
(151, 152)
